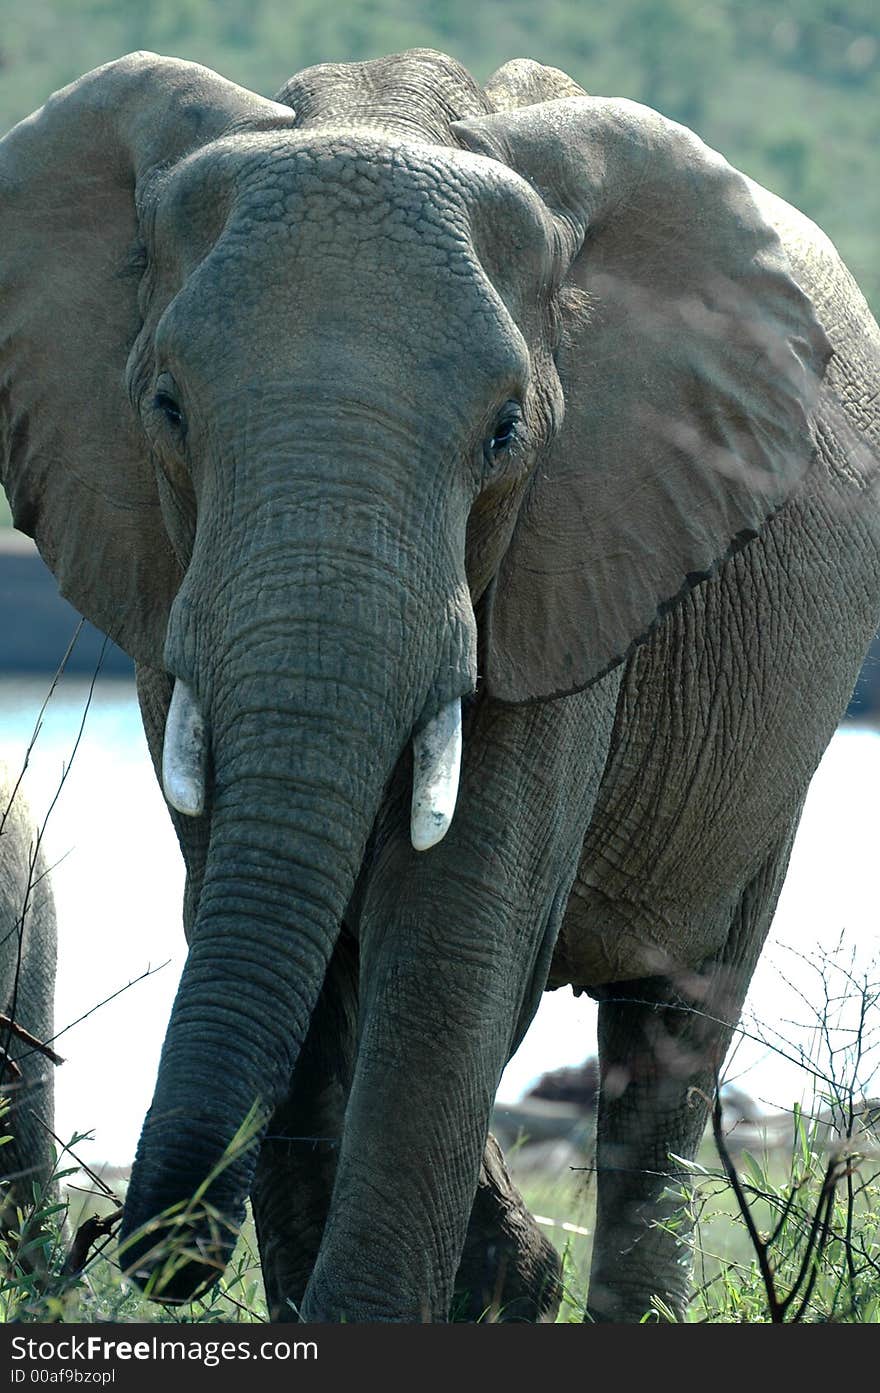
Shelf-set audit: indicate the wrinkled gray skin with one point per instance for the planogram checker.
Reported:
(27, 996)
(654, 599)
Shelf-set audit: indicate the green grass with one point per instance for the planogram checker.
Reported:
(787, 1234)
(36, 1283)
(809, 1249)
(815, 1212)
(100, 1293)
(785, 1193)
(568, 1199)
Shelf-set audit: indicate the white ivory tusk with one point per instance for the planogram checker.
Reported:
(185, 753)
(436, 767)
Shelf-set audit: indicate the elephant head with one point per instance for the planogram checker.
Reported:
(309, 406)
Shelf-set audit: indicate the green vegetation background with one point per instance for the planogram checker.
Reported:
(788, 92)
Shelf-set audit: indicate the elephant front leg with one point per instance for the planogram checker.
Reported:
(455, 946)
(428, 1060)
(296, 1169)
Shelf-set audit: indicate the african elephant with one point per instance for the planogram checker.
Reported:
(398, 417)
(27, 1000)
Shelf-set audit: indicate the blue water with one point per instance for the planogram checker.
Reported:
(118, 881)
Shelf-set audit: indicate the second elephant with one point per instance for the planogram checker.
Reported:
(28, 950)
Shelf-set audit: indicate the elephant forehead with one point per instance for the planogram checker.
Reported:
(312, 242)
(342, 192)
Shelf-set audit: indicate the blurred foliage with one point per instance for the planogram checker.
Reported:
(789, 92)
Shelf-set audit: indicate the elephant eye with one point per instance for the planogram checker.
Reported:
(168, 404)
(169, 407)
(505, 433)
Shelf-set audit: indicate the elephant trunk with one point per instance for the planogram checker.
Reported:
(306, 719)
(259, 953)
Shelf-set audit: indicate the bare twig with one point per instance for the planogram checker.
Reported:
(758, 1243)
(149, 972)
(38, 725)
(88, 1234)
(815, 1247)
(19, 1032)
(102, 1185)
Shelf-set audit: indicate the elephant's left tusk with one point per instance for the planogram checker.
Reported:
(185, 753)
(436, 767)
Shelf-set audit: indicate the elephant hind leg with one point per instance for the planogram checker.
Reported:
(661, 1044)
(509, 1270)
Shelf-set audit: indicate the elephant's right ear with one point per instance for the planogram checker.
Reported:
(690, 361)
(73, 461)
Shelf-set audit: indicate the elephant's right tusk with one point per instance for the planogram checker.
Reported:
(185, 753)
(436, 768)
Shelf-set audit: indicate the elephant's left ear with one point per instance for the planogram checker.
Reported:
(690, 361)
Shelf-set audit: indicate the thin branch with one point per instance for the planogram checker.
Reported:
(815, 1247)
(150, 972)
(24, 1035)
(760, 1247)
(38, 724)
(86, 1235)
(102, 1185)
